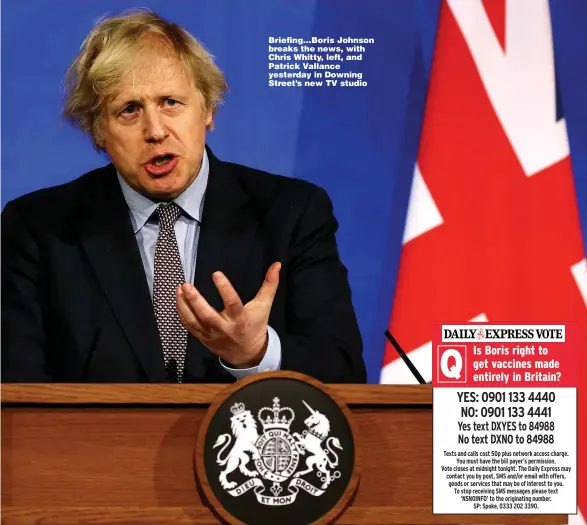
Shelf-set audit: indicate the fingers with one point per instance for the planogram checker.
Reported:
(233, 305)
(195, 310)
(186, 315)
(269, 287)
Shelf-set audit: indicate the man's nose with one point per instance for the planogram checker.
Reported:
(155, 130)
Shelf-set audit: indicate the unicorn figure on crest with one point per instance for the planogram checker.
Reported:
(311, 442)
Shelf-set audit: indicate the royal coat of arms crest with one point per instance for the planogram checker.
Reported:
(277, 456)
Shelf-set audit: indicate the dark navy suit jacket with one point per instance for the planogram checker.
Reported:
(76, 305)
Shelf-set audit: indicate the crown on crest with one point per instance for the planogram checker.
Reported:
(237, 408)
(276, 417)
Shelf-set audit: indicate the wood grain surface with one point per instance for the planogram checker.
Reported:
(83, 394)
(102, 455)
(202, 516)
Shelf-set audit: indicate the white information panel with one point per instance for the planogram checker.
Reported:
(505, 421)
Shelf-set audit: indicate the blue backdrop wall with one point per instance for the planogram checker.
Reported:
(358, 143)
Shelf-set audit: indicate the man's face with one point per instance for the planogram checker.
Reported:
(154, 128)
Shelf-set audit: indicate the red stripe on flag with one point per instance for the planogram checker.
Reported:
(495, 10)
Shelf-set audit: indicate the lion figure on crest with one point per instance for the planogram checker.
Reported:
(244, 430)
(318, 429)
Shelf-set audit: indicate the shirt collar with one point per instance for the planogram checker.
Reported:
(190, 201)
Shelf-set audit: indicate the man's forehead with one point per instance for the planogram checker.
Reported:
(153, 78)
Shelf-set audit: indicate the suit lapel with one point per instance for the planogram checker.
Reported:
(228, 229)
(227, 233)
(108, 239)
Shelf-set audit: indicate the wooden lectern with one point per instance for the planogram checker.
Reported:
(124, 454)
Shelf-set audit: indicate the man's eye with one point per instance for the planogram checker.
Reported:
(129, 110)
(171, 102)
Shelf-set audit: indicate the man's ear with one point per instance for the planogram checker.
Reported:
(208, 119)
(98, 136)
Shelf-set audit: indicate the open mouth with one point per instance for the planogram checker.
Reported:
(161, 164)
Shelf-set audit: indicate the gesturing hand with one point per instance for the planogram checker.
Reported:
(238, 334)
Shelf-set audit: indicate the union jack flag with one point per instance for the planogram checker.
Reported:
(493, 231)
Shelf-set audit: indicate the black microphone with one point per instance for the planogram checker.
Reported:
(406, 359)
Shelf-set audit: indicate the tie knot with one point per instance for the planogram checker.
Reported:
(168, 215)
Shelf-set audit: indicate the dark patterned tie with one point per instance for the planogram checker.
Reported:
(168, 276)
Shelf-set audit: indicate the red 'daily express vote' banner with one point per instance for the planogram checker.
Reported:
(505, 355)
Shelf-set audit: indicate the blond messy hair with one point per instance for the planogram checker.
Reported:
(108, 54)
